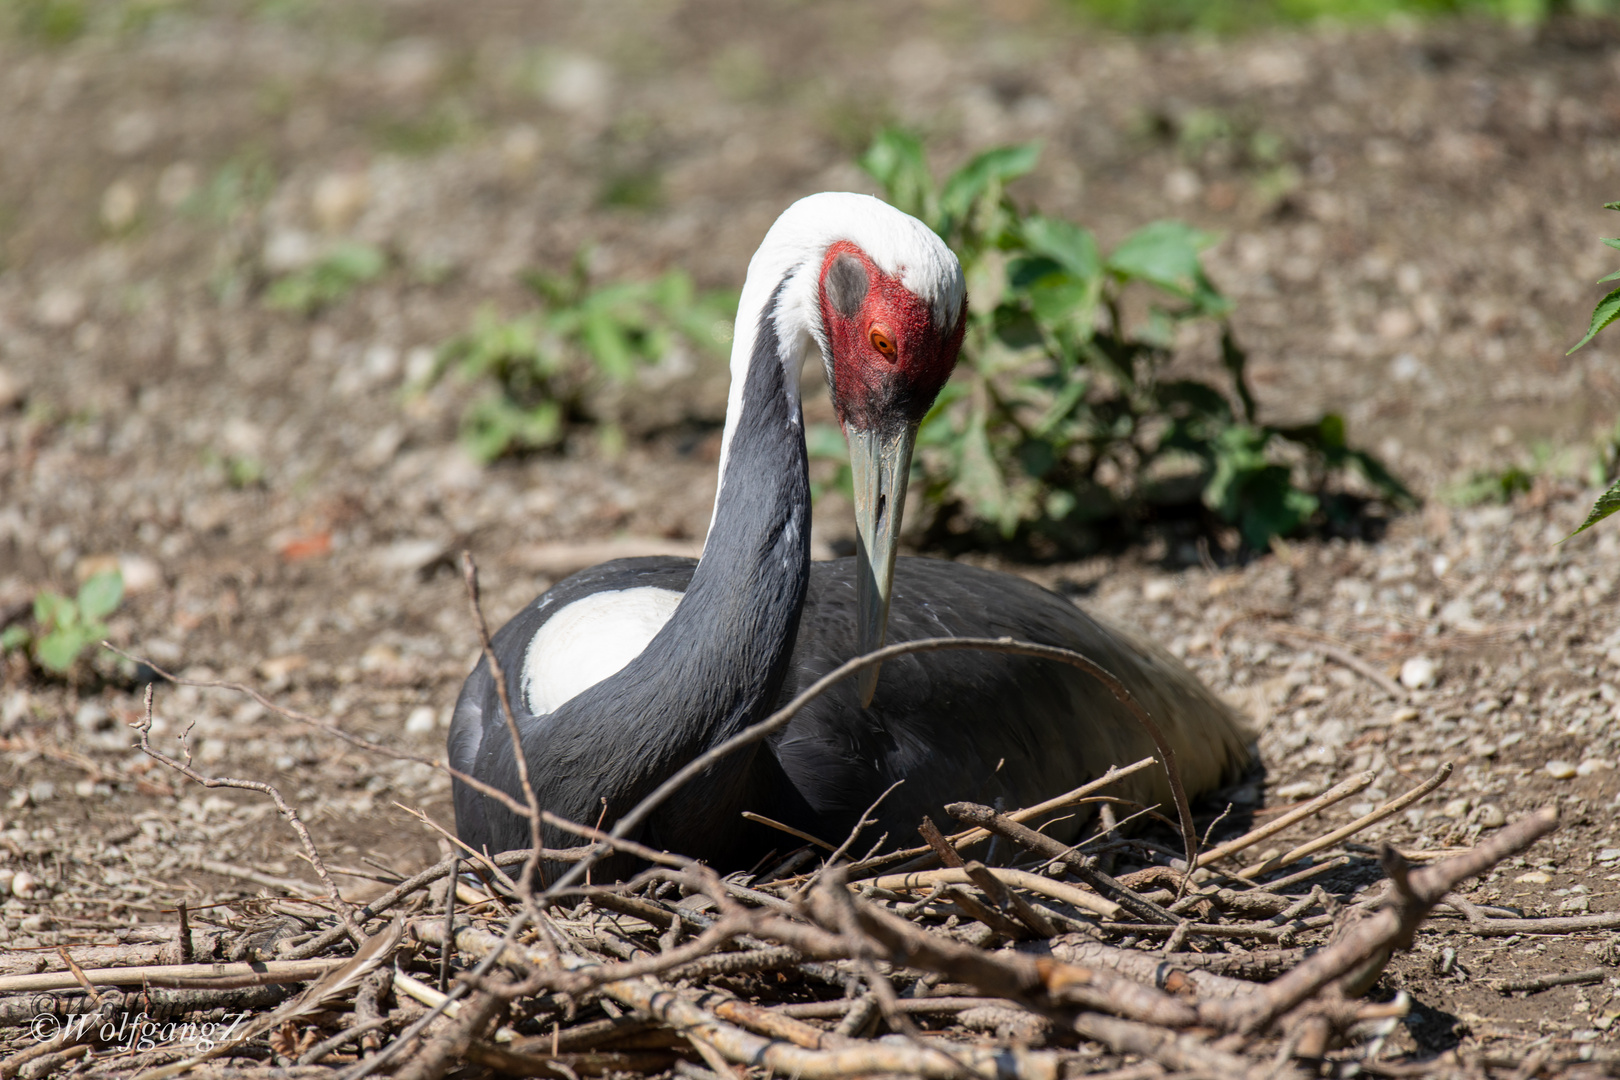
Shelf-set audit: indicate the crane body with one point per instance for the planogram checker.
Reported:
(623, 673)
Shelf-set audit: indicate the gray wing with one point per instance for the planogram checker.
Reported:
(479, 742)
(985, 727)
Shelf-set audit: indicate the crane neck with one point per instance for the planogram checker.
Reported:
(719, 663)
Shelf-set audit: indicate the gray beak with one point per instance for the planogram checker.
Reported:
(882, 465)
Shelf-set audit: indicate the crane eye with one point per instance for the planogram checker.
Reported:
(882, 342)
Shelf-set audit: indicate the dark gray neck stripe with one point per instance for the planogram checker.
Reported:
(719, 662)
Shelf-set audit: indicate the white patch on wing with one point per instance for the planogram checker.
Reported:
(590, 639)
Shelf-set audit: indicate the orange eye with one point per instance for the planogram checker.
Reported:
(882, 342)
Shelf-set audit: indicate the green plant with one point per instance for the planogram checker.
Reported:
(421, 134)
(328, 280)
(236, 186)
(1607, 310)
(65, 628)
(549, 366)
(1060, 413)
(55, 22)
(1236, 16)
(1494, 486)
(238, 471)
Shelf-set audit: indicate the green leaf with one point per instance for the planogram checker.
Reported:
(1609, 501)
(609, 345)
(100, 595)
(1065, 243)
(329, 280)
(1612, 241)
(936, 428)
(1059, 298)
(1238, 452)
(825, 441)
(1375, 473)
(1164, 253)
(896, 160)
(52, 610)
(60, 648)
(963, 189)
(979, 481)
(354, 263)
(1607, 311)
(494, 426)
(1611, 206)
(1236, 362)
(14, 637)
(1273, 506)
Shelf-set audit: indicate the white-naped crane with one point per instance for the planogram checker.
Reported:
(623, 673)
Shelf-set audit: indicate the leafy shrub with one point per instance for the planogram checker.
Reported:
(1607, 310)
(65, 628)
(241, 183)
(1059, 415)
(550, 365)
(1492, 486)
(328, 280)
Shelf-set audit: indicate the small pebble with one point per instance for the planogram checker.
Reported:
(1491, 816)
(1158, 589)
(11, 390)
(35, 924)
(1609, 854)
(1299, 789)
(120, 205)
(1534, 877)
(24, 885)
(339, 198)
(1591, 765)
(1457, 808)
(1561, 770)
(1418, 673)
(92, 717)
(422, 719)
(41, 791)
(141, 574)
(1401, 716)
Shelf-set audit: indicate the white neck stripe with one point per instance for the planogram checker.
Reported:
(788, 265)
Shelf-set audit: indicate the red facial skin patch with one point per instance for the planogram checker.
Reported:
(871, 390)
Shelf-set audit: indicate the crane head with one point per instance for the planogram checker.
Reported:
(891, 343)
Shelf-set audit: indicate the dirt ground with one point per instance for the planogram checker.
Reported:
(1409, 217)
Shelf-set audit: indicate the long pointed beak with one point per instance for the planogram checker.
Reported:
(882, 465)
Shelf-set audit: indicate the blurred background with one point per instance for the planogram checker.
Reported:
(299, 299)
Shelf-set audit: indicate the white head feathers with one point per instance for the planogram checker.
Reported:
(898, 243)
(790, 257)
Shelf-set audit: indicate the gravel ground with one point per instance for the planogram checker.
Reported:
(1409, 217)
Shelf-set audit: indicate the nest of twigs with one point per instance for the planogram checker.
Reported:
(996, 952)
